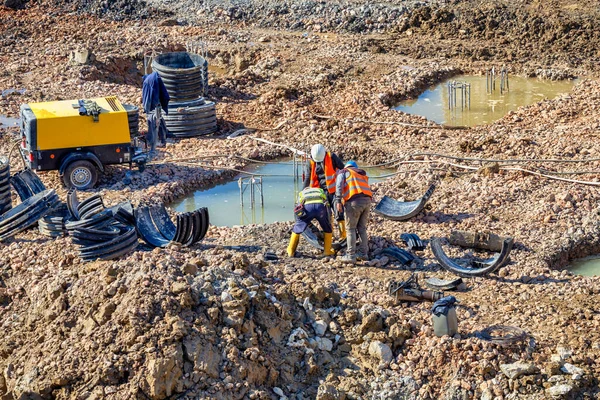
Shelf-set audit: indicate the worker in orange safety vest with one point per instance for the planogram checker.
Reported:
(321, 171)
(352, 190)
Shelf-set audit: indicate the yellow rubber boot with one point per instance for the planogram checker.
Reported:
(327, 239)
(291, 250)
(342, 227)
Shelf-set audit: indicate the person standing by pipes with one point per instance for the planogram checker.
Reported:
(312, 204)
(353, 194)
(155, 100)
(320, 172)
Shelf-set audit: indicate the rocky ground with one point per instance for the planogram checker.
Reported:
(218, 321)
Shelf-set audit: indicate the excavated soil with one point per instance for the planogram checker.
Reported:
(216, 320)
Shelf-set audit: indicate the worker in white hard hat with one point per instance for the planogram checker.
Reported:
(321, 172)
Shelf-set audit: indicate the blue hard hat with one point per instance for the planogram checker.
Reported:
(351, 163)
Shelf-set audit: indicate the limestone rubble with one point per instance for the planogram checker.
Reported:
(218, 321)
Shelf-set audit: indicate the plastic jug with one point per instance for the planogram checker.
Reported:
(444, 316)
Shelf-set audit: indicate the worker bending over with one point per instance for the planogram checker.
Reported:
(312, 204)
(353, 191)
(321, 171)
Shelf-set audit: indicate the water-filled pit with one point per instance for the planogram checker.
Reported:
(588, 266)
(223, 199)
(485, 107)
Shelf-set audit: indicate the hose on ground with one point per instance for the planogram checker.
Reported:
(405, 160)
(14, 146)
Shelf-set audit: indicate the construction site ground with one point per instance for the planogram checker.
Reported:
(216, 320)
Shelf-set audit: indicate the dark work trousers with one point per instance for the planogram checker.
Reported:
(357, 217)
(157, 129)
(316, 211)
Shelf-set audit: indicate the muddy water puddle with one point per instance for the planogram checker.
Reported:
(589, 266)
(279, 192)
(485, 107)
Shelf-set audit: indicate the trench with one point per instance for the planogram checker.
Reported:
(486, 105)
(279, 192)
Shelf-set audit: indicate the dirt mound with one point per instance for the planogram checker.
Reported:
(511, 30)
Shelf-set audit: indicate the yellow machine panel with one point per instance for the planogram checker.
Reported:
(60, 126)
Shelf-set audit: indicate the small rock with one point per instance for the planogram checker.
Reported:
(324, 344)
(297, 337)
(226, 296)
(560, 390)
(190, 269)
(371, 323)
(329, 392)
(179, 287)
(199, 262)
(571, 369)
(320, 327)
(168, 22)
(565, 196)
(517, 369)
(486, 395)
(381, 351)
(82, 57)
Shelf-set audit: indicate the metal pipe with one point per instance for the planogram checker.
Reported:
(294, 167)
(469, 96)
(454, 88)
(262, 199)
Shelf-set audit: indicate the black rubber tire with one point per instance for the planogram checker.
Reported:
(86, 167)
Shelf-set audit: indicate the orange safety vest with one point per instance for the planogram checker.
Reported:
(330, 174)
(355, 184)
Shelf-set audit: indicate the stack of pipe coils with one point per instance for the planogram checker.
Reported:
(191, 118)
(133, 118)
(27, 213)
(26, 183)
(157, 229)
(185, 76)
(53, 224)
(5, 195)
(96, 231)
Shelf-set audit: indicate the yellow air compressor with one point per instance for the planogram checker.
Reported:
(77, 138)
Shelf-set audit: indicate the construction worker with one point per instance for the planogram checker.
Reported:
(155, 100)
(320, 173)
(352, 190)
(312, 204)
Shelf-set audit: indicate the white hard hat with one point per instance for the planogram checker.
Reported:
(317, 152)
